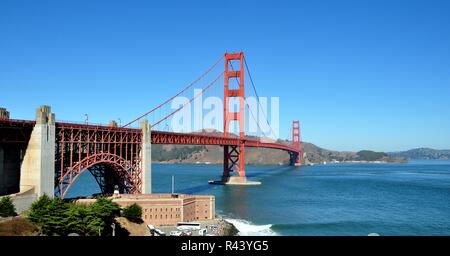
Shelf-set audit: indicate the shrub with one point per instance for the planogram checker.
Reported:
(50, 215)
(56, 217)
(82, 220)
(133, 213)
(7, 208)
(104, 210)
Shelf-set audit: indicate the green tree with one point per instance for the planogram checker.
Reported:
(105, 210)
(56, 217)
(133, 213)
(39, 209)
(50, 215)
(82, 220)
(7, 208)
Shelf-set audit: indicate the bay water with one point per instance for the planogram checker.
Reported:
(333, 199)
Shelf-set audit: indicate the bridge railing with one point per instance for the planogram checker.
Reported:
(17, 121)
(79, 122)
(91, 125)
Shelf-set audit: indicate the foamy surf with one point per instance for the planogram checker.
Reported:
(246, 228)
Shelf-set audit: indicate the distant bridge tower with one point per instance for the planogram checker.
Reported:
(296, 157)
(233, 158)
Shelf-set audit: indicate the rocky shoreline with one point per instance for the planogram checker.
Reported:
(223, 228)
(227, 229)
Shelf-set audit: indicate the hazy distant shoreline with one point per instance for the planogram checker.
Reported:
(312, 154)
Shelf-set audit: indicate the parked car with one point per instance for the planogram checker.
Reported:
(175, 233)
(159, 232)
(202, 232)
(186, 233)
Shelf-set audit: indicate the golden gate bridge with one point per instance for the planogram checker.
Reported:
(121, 154)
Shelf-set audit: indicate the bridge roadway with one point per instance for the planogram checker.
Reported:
(53, 154)
(157, 137)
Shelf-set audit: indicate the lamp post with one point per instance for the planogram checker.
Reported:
(173, 184)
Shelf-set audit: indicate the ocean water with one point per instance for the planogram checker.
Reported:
(336, 199)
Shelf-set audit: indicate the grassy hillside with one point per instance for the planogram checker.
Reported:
(214, 154)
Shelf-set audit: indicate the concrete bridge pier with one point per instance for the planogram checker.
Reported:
(146, 158)
(38, 166)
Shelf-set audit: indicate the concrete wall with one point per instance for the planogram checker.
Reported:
(146, 158)
(38, 166)
(204, 208)
(23, 200)
(4, 114)
(167, 209)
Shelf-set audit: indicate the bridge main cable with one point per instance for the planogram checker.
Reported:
(248, 106)
(190, 101)
(257, 97)
(176, 95)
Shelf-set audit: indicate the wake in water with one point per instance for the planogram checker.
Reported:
(246, 228)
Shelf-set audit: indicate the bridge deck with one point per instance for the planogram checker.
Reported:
(159, 137)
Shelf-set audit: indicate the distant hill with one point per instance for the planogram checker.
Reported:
(367, 155)
(315, 154)
(423, 154)
(214, 154)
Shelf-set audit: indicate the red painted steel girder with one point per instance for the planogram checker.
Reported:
(122, 166)
(81, 146)
(160, 137)
(15, 131)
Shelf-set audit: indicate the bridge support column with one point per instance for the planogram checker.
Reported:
(146, 158)
(38, 166)
(234, 162)
(234, 155)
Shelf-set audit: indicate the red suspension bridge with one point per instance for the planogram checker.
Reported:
(53, 154)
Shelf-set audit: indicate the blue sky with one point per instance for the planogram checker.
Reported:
(358, 74)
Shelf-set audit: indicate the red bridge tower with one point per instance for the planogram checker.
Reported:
(296, 157)
(233, 157)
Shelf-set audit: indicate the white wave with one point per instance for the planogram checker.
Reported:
(246, 228)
